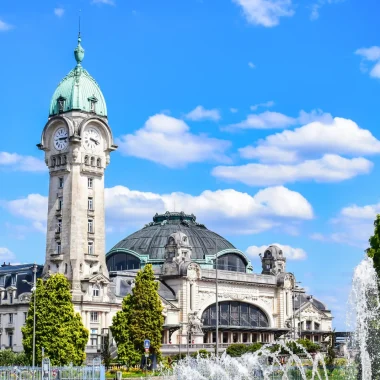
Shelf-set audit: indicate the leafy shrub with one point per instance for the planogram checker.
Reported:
(178, 357)
(309, 345)
(9, 358)
(254, 347)
(340, 362)
(202, 353)
(236, 349)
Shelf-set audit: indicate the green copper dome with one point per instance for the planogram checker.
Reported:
(78, 90)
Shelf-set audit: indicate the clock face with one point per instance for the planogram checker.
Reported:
(92, 139)
(61, 138)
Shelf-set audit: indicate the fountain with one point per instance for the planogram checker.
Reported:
(266, 363)
(363, 317)
(262, 364)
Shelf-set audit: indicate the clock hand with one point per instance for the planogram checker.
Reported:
(95, 141)
(63, 138)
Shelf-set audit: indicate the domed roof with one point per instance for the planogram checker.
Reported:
(274, 251)
(151, 239)
(78, 90)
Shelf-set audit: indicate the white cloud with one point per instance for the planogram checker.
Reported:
(168, 141)
(6, 255)
(266, 12)
(315, 8)
(353, 226)
(267, 104)
(371, 54)
(33, 207)
(272, 120)
(329, 168)
(5, 26)
(251, 65)
(233, 110)
(338, 136)
(59, 12)
(289, 252)
(107, 2)
(200, 113)
(18, 162)
(225, 210)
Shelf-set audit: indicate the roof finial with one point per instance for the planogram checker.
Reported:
(79, 23)
(79, 51)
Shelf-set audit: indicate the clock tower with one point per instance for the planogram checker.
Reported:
(77, 142)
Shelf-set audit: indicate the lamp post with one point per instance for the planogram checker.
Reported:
(294, 314)
(34, 289)
(216, 302)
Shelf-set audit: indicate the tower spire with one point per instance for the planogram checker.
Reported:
(79, 51)
(79, 24)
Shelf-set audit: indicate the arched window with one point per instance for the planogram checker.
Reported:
(59, 160)
(231, 262)
(99, 163)
(92, 161)
(64, 160)
(95, 290)
(86, 160)
(122, 261)
(233, 313)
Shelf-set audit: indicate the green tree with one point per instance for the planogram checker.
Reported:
(140, 318)
(59, 330)
(373, 324)
(374, 245)
(106, 350)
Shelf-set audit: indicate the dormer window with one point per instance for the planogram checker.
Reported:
(92, 102)
(95, 290)
(61, 104)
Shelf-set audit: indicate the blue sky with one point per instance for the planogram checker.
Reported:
(259, 116)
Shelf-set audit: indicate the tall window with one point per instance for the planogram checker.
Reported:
(10, 317)
(59, 248)
(95, 290)
(90, 182)
(90, 225)
(316, 326)
(25, 316)
(90, 204)
(94, 337)
(60, 203)
(60, 182)
(308, 325)
(59, 225)
(11, 297)
(94, 316)
(10, 339)
(90, 248)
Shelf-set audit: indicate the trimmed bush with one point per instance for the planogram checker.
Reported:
(236, 349)
(202, 353)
